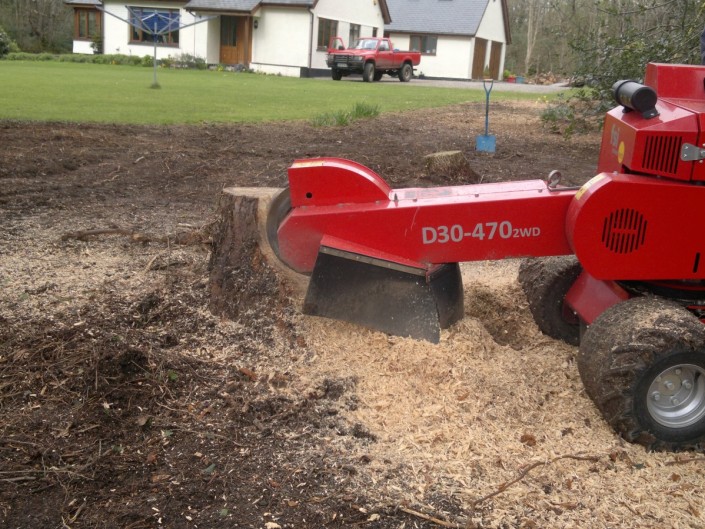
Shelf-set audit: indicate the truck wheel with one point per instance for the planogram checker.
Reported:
(405, 73)
(546, 282)
(378, 75)
(336, 74)
(368, 73)
(643, 364)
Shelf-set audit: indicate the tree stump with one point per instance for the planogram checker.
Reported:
(246, 277)
(451, 165)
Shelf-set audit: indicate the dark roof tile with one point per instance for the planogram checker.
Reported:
(448, 17)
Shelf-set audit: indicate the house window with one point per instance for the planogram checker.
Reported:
(228, 31)
(86, 24)
(354, 34)
(426, 44)
(326, 30)
(144, 21)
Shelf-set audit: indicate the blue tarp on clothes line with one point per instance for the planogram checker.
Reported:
(147, 19)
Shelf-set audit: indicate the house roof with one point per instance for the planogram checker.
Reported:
(100, 2)
(218, 5)
(242, 5)
(222, 5)
(442, 17)
(249, 6)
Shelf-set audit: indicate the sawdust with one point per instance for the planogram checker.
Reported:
(456, 421)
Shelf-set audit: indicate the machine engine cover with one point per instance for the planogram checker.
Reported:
(633, 144)
(629, 227)
(653, 145)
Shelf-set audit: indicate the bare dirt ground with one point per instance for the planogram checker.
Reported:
(125, 403)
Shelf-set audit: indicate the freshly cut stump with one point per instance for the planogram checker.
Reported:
(451, 164)
(245, 273)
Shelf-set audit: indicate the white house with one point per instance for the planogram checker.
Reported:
(87, 24)
(287, 37)
(458, 39)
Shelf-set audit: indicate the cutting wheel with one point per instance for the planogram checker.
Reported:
(278, 210)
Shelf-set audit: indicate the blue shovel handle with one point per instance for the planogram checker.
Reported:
(487, 103)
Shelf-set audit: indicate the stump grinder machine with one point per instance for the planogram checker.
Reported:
(616, 265)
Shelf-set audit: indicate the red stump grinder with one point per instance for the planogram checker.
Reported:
(615, 265)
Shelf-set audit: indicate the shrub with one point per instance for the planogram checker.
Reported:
(624, 51)
(97, 44)
(21, 56)
(114, 58)
(71, 57)
(117, 58)
(579, 112)
(4, 43)
(186, 60)
(7, 45)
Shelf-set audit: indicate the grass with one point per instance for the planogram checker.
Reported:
(360, 110)
(57, 91)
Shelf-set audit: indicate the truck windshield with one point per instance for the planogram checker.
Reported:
(365, 44)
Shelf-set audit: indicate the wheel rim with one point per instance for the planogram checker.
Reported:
(676, 397)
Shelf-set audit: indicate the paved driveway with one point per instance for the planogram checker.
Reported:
(499, 86)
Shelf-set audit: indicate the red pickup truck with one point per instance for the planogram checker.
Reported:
(372, 57)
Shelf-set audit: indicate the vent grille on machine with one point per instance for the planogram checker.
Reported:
(662, 153)
(624, 231)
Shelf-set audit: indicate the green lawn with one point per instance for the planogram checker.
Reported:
(57, 91)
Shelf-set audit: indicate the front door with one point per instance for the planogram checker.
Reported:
(495, 59)
(478, 60)
(234, 39)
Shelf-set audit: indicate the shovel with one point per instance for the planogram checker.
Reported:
(486, 142)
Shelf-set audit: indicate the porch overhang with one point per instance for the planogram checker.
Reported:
(238, 7)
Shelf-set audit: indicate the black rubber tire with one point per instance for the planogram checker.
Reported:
(368, 72)
(546, 282)
(405, 73)
(378, 75)
(336, 74)
(623, 353)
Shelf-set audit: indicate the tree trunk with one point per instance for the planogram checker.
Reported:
(533, 25)
(245, 275)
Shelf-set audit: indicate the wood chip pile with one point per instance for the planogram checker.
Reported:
(478, 434)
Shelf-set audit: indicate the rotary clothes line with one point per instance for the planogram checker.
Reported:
(155, 23)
